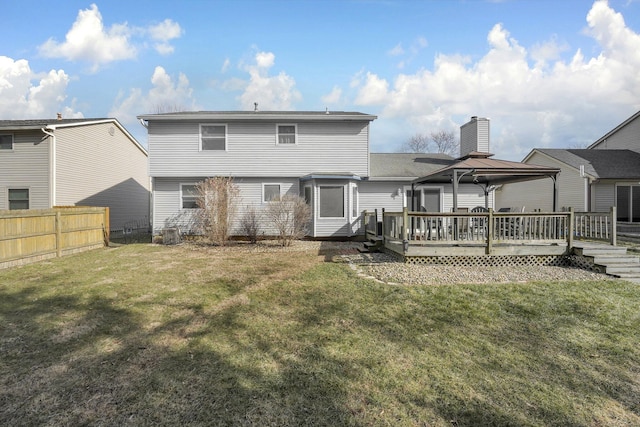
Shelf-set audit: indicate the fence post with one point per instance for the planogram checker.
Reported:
(614, 225)
(58, 227)
(571, 230)
(107, 227)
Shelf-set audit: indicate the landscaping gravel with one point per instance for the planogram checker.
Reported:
(388, 269)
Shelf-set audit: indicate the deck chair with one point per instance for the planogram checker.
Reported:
(463, 224)
(478, 224)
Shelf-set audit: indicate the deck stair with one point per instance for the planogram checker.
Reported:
(374, 244)
(612, 260)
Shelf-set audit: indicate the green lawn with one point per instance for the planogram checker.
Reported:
(152, 335)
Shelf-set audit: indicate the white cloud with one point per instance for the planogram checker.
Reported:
(164, 32)
(165, 95)
(25, 94)
(89, 41)
(397, 50)
(270, 92)
(534, 97)
(334, 97)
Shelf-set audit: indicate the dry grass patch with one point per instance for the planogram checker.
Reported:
(259, 335)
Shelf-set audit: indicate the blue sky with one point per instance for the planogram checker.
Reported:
(547, 73)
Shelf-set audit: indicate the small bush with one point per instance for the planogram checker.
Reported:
(250, 224)
(217, 202)
(290, 216)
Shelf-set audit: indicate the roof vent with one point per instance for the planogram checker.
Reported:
(59, 116)
(326, 110)
(255, 106)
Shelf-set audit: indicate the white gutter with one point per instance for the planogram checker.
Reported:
(52, 171)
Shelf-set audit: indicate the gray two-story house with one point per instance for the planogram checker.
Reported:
(74, 162)
(322, 156)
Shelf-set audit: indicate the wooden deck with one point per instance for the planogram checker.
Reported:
(487, 234)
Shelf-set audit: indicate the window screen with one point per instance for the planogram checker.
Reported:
(271, 192)
(18, 198)
(213, 137)
(332, 202)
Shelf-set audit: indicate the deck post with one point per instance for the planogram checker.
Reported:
(490, 232)
(383, 231)
(614, 226)
(405, 224)
(571, 230)
(365, 221)
(375, 211)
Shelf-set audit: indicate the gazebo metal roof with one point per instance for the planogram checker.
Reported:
(477, 168)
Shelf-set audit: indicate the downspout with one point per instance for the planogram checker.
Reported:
(586, 188)
(52, 158)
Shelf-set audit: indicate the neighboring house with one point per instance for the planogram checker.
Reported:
(594, 179)
(67, 162)
(321, 156)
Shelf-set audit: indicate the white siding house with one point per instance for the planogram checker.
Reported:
(322, 156)
(81, 162)
(594, 179)
(265, 152)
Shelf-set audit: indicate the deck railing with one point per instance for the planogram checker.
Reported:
(477, 228)
(596, 225)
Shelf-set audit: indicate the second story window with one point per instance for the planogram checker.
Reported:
(213, 137)
(286, 134)
(6, 142)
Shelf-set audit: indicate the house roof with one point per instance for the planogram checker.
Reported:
(406, 165)
(260, 115)
(52, 124)
(601, 164)
(614, 130)
(41, 123)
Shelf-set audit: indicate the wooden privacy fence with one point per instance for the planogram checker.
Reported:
(32, 235)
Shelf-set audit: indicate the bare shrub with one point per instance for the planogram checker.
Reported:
(250, 224)
(217, 200)
(290, 216)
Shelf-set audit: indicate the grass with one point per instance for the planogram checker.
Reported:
(188, 335)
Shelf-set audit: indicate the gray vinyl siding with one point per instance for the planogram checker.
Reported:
(168, 210)
(97, 166)
(627, 137)
(603, 196)
(538, 194)
(252, 150)
(26, 166)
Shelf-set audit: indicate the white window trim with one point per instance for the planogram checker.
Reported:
(182, 184)
(226, 136)
(13, 142)
(295, 135)
(344, 205)
(270, 183)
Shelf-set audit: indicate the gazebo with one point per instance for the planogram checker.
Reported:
(479, 169)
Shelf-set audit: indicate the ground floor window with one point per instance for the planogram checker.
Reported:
(332, 201)
(18, 198)
(628, 203)
(270, 192)
(189, 196)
